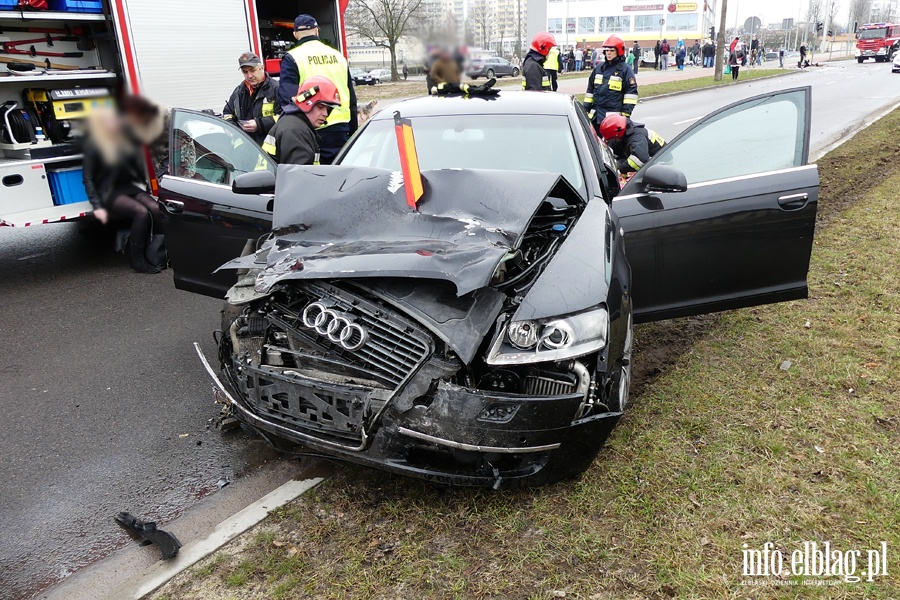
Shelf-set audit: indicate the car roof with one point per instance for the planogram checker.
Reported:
(507, 102)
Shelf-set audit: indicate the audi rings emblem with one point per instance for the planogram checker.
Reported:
(336, 326)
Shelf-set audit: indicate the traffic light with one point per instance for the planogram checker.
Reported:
(819, 26)
(830, 33)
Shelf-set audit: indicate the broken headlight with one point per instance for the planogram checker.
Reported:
(544, 340)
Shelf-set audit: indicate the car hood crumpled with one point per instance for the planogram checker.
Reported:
(335, 222)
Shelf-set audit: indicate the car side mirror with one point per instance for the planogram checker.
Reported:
(257, 182)
(660, 178)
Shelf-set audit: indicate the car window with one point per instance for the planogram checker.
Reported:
(475, 142)
(209, 149)
(757, 136)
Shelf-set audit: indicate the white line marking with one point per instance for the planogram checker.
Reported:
(687, 121)
(227, 530)
(830, 82)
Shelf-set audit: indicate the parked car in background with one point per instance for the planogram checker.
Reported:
(379, 75)
(493, 66)
(896, 67)
(361, 77)
(484, 336)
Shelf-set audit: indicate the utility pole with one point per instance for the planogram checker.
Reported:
(827, 23)
(720, 44)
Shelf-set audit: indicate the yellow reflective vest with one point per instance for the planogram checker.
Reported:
(312, 57)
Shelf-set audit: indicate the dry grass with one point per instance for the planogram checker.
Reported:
(720, 448)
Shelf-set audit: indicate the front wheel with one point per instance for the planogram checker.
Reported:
(860, 59)
(515, 72)
(490, 74)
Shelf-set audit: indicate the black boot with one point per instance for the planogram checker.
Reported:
(138, 261)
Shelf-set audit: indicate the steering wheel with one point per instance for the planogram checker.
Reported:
(220, 161)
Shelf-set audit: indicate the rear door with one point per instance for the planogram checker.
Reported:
(742, 233)
(206, 223)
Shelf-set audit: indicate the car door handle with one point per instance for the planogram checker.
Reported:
(793, 201)
(173, 206)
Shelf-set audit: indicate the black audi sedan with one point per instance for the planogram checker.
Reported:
(483, 335)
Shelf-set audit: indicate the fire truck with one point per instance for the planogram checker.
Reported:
(877, 40)
(60, 63)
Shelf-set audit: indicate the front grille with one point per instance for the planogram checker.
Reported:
(394, 348)
(537, 385)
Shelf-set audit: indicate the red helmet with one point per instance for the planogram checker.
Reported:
(542, 43)
(317, 90)
(613, 127)
(616, 42)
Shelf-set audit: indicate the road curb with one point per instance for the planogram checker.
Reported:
(160, 573)
(683, 92)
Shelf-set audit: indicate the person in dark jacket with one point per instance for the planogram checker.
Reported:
(612, 86)
(312, 57)
(533, 71)
(632, 143)
(114, 176)
(657, 50)
(570, 60)
(254, 102)
(636, 49)
(293, 140)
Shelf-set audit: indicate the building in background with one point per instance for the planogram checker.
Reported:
(581, 23)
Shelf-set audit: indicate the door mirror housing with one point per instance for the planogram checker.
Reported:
(257, 182)
(658, 178)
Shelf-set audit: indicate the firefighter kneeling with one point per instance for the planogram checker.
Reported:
(632, 143)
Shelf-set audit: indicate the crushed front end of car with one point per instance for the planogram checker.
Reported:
(434, 342)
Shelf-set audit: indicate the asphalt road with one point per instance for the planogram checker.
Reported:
(105, 404)
(107, 407)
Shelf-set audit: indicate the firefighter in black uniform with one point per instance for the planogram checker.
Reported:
(533, 72)
(612, 87)
(253, 105)
(293, 140)
(632, 143)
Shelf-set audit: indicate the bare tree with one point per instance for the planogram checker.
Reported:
(481, 17)
(383, 22)
(813, 15)
(859, 12)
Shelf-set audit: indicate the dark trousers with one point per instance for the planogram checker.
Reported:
(331, 140)
(553, 75)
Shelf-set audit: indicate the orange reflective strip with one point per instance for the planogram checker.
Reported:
(409, 160)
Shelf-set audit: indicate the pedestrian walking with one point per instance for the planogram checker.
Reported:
(311, 57)
(781, 58)
(636, 49)
(405, 72)
(293, 140)
(737, 59)
(803, 62)
(253, 104)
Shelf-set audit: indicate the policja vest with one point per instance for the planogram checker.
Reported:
(552, 61)
(315, 58)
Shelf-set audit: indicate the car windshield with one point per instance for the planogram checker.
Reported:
(872, 34)
(475, 142)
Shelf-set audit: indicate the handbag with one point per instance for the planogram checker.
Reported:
(727, 70)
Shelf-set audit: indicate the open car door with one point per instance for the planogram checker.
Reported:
(206, 223)
(740, 232)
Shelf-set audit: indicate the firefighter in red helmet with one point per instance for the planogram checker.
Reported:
(293, 139)
(632, 143)
(612, 86)
(535, 76)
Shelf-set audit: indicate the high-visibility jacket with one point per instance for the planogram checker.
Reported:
(636, 147)
(552, 62)
(311, 57)
(533, 73)
(612, 88)
(293, 141)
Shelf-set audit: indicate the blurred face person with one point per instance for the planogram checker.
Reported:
(317, 114)
(253, 75)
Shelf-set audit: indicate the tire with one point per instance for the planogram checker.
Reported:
(860, 59)
(490, 74)
(474, 78)
(515, 72)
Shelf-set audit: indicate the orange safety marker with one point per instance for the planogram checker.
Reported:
(409, 160)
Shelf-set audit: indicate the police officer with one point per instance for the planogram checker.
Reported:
(311, 57)
(552, 65)
(612, 87)
(632, 143)
(253, 105)
(533, 66)
(293, 140)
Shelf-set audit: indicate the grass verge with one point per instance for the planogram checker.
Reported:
(721, 450)
(687, 85)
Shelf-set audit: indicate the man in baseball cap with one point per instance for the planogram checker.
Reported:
(313, 58)
(253, 105)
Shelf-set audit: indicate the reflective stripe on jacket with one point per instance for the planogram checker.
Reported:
(264, 107)
(534, 75)
(612, 88)
(293, 141)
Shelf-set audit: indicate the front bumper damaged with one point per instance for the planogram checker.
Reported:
(431, 429)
